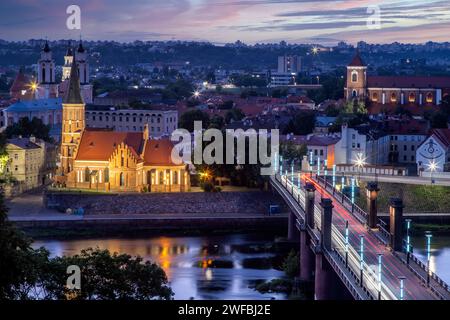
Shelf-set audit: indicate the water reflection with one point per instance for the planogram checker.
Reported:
(197, 267)
(440, 254)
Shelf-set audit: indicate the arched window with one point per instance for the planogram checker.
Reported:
(393, 97)
(122, 179)
(106, 173)
(412, 97)
(354, 76)
(429, 97)
(87, 174)
(122, 159)
(354, 93)
(161, 177)
(175, 177)
(375, 97)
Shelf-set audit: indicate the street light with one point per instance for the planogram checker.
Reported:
(408, 240)
(361, 258)
(318, 167)
(432, 166)
(310, 163)
(360, 162)
(325, 168)
(334, 177)
(281, 165)
(346, 243)
(196, 94)
(402, 287)
(380, 257)
(428, 235)
(342, 186)
(353, 192)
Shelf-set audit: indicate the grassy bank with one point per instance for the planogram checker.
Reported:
(416, 198)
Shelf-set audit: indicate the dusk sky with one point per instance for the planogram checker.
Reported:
(221, 21)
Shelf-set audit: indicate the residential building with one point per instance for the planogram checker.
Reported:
(161, 120)
(384, 94)
(433, 155)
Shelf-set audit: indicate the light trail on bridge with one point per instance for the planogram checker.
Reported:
(392, 268)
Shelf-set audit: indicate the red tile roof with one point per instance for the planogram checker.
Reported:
(407, 82)
(357, 61)
(98, 145)
(21, 82)
(443, 135)
(158, 153)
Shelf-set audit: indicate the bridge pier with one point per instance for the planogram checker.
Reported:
(293, 234)
(372, 194)
(306, 254)
(396, 223)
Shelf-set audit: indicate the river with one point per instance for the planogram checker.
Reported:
(185, 261)
(440, 254)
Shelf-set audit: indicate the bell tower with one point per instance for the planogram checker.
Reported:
(356, 87)
(73, 121)
(46, 86)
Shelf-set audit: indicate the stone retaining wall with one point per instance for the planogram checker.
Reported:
(164, 203)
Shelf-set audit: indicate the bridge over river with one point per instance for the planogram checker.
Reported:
(340, 243)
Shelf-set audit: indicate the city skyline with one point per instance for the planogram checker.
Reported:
(219, 21)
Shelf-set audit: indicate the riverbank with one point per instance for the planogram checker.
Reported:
(160, 225)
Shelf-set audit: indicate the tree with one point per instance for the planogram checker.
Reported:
(187, 119)
(106, 276)
(234, 114)
(302, 124)
(291, 151)
(26, 128)
(27, 273)
(291, 265)
(439, 120)
(217, 122)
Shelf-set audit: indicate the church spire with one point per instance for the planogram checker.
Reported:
(73, 93)
(46, 47)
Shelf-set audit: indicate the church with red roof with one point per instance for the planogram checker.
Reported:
(384, 94)
(107, 160)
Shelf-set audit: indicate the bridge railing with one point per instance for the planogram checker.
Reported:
(384, 235)
(370, 282)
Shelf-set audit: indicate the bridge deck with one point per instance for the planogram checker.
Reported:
(392, 266)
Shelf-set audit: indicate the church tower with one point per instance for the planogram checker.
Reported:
(356, 79)
(47, 87)
(68, 60)
(73, 121)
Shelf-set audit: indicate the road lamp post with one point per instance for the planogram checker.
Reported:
(318, 168)
(408, 240)
(281, 165)
(433, 167)
(361, 258)
(428, 235)
(402, 287)
(342, 186)
(310, 163)
(353, 194)
(325, 170)
(334, 178)
(380, 257)
(346, 243)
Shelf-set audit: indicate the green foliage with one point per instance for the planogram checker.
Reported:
(275, 285)
(439, 120)
(302, 124)
(292, 151)
(187, 119)
(27, 128)
(291, 265)
(234, 114)
(217, 122)
(355, 107)
(27, 273)
(106, 276)
(332, 88)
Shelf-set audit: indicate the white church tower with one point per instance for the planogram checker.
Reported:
(81, 60)
(47, 87)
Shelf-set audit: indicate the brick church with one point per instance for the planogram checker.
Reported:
(106, 160)
(384, 94)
